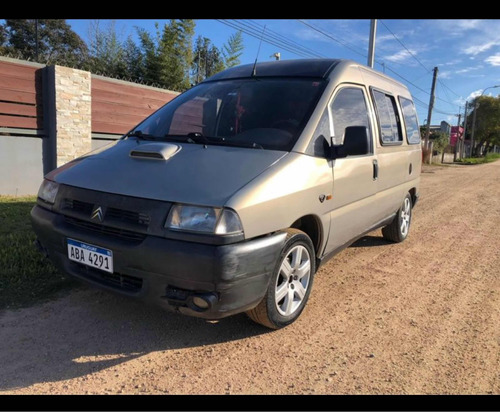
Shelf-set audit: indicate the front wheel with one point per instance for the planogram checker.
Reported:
(290, 284)
(398, 229)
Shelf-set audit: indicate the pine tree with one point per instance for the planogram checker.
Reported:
(107, 54)
(233, 50)
(134, 60)
(168, 57)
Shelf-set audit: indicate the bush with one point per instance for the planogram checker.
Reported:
(490, 157)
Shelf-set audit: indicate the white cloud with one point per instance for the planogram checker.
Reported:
(493, 60)
(457, 27)
(469, 69)
(466, 24)
(444, 74)
(450, 63)
(477, 93)
(308, 34)
(400, 56)
(474, 94)
(479, 48)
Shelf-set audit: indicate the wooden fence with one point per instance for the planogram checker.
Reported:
(21, 97)
(36, 134)
(118, 106)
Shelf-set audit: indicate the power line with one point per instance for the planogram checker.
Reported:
(443, 84)
(406, 48)
(421, 64)
(270, 39)
(284, 39)
(333, 38)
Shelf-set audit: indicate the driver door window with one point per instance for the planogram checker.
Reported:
(348, 109)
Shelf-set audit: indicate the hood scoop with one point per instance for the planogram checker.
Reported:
(155, 151)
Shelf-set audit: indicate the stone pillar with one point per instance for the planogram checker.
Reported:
(72, 112)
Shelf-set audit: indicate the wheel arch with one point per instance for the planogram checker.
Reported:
(310, 225)
(413, 194)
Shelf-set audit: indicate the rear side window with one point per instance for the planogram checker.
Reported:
(410, 119)
(390, 131)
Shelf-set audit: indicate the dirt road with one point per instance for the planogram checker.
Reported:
(420, 317)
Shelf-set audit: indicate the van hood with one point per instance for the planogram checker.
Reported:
(174, 172)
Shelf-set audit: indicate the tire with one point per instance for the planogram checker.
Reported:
(398, 229)
(290, 283)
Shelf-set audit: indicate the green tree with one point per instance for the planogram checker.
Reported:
(107, 54)
(150, 55)
(57, 42)
(207, 60)
(487, 127)
(3, 39)
(233, 50)
(168, 56)
(440, 141)
(134, 60)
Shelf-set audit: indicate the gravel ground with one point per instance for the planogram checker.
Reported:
(420, 317)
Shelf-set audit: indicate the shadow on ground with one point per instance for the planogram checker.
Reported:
(90, 330)
(370, 241)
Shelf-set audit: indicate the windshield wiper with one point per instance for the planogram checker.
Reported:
(140, 135)
(251, 145)
(194, 137)
(221, 141)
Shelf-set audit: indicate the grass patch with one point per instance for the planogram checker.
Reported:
(490, 157)
(26, 277)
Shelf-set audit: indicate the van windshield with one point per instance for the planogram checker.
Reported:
(266, 113)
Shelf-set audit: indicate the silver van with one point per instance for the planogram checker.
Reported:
(230, 197)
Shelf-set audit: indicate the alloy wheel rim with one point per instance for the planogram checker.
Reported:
(405, 217)
(293, 280)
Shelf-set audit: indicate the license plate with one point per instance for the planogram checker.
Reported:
(90, 255)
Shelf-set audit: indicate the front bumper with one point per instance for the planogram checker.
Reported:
(232, 278)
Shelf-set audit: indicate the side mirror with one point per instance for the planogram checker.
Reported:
(357, 142)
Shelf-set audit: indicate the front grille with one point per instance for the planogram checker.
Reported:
(105, 230)
(85, 209)
(127, 216)
(78, 206)
(119, 281)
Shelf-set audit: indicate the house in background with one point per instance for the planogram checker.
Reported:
(457, 132)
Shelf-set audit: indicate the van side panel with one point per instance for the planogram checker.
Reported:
(399, 165)
(296, 186)
(353, 199)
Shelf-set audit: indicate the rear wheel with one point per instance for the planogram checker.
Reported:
(290, 284)
(398, 229)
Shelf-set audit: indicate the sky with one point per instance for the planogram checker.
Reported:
(466, 52)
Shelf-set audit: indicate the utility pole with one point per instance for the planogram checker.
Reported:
(462, 149)
(457, 141)
(373, 35)
(431, 105)
(36, 40)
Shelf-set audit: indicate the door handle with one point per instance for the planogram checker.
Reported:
(375, 170)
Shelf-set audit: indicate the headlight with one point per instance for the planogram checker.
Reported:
(204, 220)
(48, 191)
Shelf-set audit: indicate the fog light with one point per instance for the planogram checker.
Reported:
(200, 302)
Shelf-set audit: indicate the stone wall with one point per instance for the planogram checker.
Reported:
(73, 113)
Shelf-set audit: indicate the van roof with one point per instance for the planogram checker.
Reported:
(289, 68)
